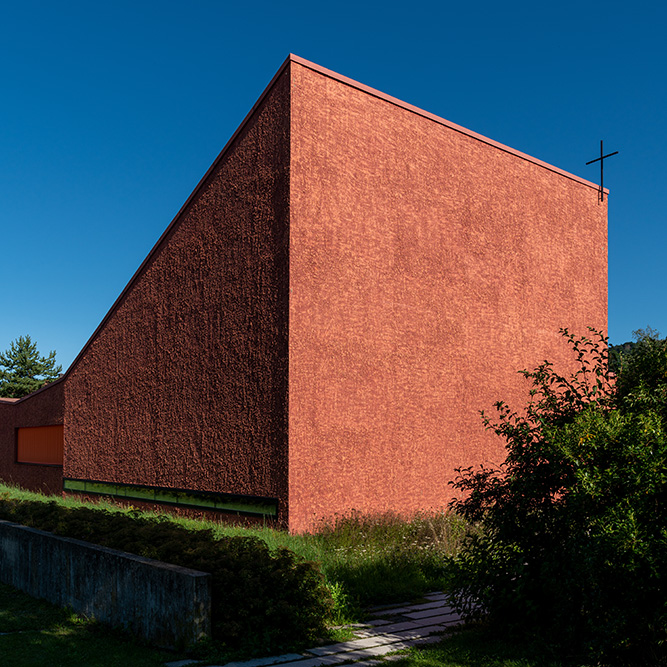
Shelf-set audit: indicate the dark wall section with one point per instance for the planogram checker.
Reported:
(43, 408)
(184, 385)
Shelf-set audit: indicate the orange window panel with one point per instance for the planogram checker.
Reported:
(40, 444)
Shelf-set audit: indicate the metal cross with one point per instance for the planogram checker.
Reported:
(601, 159)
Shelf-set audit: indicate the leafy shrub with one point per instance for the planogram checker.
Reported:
(642, 379)
(262, 600)
(572, 528)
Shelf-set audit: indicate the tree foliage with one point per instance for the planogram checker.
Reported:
(618, 354)
(571, 538)
(23, 370)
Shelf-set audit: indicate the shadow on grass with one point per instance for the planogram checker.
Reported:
(387, 579)
(66, 648)
(476, 647)
(42, 635)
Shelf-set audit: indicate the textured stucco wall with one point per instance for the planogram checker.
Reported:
(43, 408)
(426, 268)
(386, 273)
(184, 385)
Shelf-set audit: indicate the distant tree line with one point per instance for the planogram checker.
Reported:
(620, 353)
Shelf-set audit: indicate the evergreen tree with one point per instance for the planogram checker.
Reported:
(23, 370)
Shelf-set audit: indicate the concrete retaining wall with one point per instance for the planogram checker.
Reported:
(167, 605)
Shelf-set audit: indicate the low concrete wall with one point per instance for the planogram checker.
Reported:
(167, 605)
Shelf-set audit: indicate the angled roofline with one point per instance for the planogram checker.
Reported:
(176, 218)
(48, 385)
(441, 121)
(291, 58)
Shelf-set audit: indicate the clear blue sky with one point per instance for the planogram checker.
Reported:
(112, 112)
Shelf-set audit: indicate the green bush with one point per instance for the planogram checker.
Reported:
(571, 539)
(263, 601)
(642, 378)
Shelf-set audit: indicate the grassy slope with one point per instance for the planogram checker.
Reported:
(41, 635)
(364, 560)
(44, 636)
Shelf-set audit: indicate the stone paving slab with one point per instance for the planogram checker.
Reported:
(422, 633)
(350, 656)
(449, 618)
(366, 642)
(435, 604)
(360, 654)
(436, 596)
(426, 613)
(396, 628)
(265, 662)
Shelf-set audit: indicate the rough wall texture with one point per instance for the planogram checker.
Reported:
(426, 268)
(43, 408)
(184, 385)
(387, 272)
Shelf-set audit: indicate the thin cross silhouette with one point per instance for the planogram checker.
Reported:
(601, 159)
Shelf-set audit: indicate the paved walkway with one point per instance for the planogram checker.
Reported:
(390, 629)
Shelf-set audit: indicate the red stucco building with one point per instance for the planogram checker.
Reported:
(349, 284)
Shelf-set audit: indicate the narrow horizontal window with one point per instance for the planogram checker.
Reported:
(205, 500)
(40, 444)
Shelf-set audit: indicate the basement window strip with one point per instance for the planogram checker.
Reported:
(201, 500)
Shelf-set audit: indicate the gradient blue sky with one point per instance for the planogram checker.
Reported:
(112, 112)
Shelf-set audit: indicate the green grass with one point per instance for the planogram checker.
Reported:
(476, 647)
(45, 636)
(365, 560)
(41, 635)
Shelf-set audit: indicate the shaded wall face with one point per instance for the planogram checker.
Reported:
(426, 268)
(185, 384)
(44, 408)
